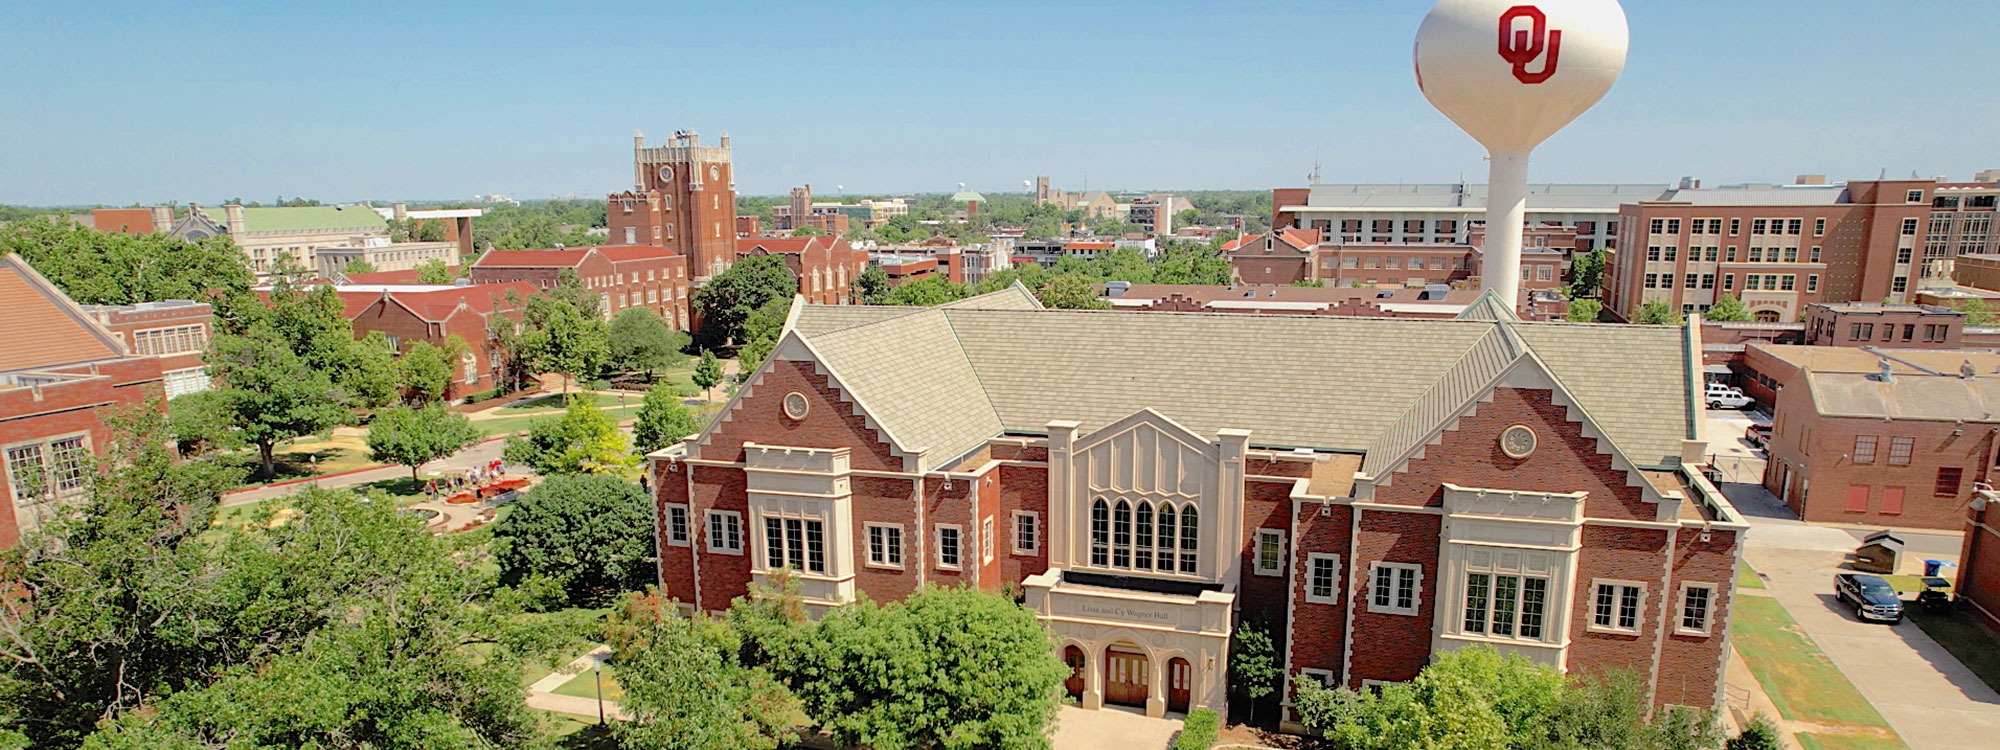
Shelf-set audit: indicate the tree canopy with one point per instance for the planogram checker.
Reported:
(590, 536)
(728, 299)
(100, 268)
(1586, 274)
(1659, 312)
(1584, 311)
(1729, 309)
(581, 441)
(686, 686)
(663, 420)
(641, 341)
(413, 437)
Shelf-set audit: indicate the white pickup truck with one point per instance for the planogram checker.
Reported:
(1720, 396)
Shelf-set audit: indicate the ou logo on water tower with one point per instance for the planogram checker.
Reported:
(1521, 46)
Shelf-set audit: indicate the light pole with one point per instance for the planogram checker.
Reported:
(598, 672)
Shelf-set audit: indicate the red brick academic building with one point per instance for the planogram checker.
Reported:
(434, 316)
(683, 198)
(655, 278)
(826, 267)
(59, 372)
(1532, 487)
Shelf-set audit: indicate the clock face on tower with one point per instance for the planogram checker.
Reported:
(666, 174)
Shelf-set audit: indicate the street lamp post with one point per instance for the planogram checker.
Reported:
(598, 672)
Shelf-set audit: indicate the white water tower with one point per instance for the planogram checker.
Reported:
(1511, 73)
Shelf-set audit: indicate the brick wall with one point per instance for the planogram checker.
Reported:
(1621, 554)
(66, 409)
(1318, 629)
(886, 501)
(723, 577)
(1266, 505)
(676, 563)
(1393, 647)
(1691, 665)
(1816, 455)
(1025, 488)
(1979, 565)
(830, 421)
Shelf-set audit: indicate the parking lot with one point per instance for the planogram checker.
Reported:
(1927, 696)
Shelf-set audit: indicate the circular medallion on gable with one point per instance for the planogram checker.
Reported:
(666, 174)
(1518, 441)
(796, 405)
(714, 172)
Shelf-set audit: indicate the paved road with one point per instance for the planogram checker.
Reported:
(1112, 726)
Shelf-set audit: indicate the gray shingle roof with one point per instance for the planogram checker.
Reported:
(949, 379)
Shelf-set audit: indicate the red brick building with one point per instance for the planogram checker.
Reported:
(684, 199)
(1877, 324)
(59, 372)
(1979, 557)
(626, 275)
(1296, 255)
(1781, 248)
(175, 331)
(1533, 487)
(1880, 437)
(826, 267)
(435, 315)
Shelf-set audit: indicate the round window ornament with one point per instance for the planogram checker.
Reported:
(714, 172)
(666, 174)
(796, 405)
(1518, 441)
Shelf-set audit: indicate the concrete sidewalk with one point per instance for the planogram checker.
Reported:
(542, 694)
(1112, 727)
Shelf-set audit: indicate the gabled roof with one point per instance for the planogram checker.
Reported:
(437, 305)
(1327, 383)
(835, 317)
(1298, 239)
(777, 244)
(1015, 297)
(42, 327)
(564, 258)
(1489, 307)
(621, 253)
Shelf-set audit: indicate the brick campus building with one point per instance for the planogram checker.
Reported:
(683, 198)
(826, 267)
(436, 313)
(1533, 487)
(59, 370)
(626, 276)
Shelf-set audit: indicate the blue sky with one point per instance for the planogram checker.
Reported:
(116, 102)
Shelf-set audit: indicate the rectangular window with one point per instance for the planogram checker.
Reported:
(1672, 252)
(1819, 227)
(26, 472)
(1751, 280)
(1792, 226)
(1812, 283)
(1910, 227)
(1713, 253)
(1757, 226)
(1673, 226)
(1789, 282)
(1270, 552)
(1857, 498)
(1696, 600)
(1393, 588)
(885, 545)
(1730, 255)
(947, 547)
(1892, 501)
(1027, 534)
(1322, 579)
(1735, 227)
(1864, 445)
(1915, 196)
(725, 532)
(1728, 281)
(1947, 481)
(1659, 226)
(986, 540)
(1791, 255)
(1899, 449)
(1903, 256)
(1616, 606)
(1653, 253)
(799, 544)
(1708, 281)
(1814, 256)
(1899, 284)
(1756, 255)
(677, 525)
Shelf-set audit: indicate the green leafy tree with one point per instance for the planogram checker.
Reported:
(1729, 309)
(581, 441)
(1760, 734)
(358, 266)
(416, 436)
(641, 340)
(374, 380)
(509, 340)
(1586, 274)
(929, 291)
(663, 420)
(809, 232)
(1072, 291)
(1584, 311)
(872, 285)
(592, 536)
(539, 224)
(945, 668)
(707, 373)
(760, 335)
(1976, 312)
(1659, 312)
(726, 301)
(1253, 664)
(271, 393)
(435, 272)
(427, 371)
(98, 268)
(686, 687)
(560, 337)
(200, 424)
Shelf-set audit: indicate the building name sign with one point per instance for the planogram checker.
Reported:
(1125, 613)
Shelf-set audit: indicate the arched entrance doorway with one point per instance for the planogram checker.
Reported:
(1769, 316)
(1125, 676)
(1074, 657)
(1180, 675)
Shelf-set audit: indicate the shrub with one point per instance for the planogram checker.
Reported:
(1198, 732)
(1760, 734)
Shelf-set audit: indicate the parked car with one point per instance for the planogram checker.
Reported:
(1758, 435)
(1871, 597)
(1720, 396)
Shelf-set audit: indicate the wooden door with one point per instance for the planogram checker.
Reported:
(1179, 677)
(1073, 656)
(1125, 678)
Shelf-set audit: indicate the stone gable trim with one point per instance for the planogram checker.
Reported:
(794, 348)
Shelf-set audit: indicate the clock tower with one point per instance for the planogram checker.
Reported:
(683, 199)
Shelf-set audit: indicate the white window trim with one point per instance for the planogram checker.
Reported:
(1323, 676)
(986, 544)
(1277, 567)
(1313, 558)
(1416, 598)
(1708, 617)
(868, 546)
(937, 539)
(1377, 685)
(1638, 620)
(708, 526)
(1015, 533)
(687, 521)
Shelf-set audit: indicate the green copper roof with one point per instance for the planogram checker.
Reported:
(302, 219)
(967, 196)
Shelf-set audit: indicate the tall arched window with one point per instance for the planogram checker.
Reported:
(1142, 552)
(1167, 525)
(1121, 535)
(1190, 534)
(1100, 534)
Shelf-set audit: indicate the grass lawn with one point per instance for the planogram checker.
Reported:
(1746, 578)
(1810, 741)
(1802, 682)
(584, 685)
(294, 460)
(1972, 644)
(575, 732)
